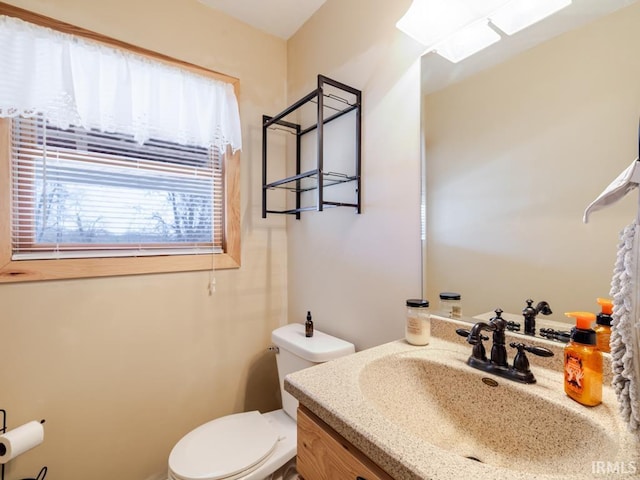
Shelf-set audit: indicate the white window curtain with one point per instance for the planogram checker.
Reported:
(73, 81)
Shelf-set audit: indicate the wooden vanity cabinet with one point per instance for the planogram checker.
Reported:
(325, 455)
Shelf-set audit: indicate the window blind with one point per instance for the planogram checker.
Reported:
(80, 192)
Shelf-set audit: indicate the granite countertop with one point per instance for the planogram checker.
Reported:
(348, 397)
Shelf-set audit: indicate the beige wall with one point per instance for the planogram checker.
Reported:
(516, 153)
(354, 272)
(121, 368)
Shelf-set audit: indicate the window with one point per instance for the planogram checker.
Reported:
(85, 201)
(79, 193)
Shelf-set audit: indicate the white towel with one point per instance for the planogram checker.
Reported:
(625, 331)
(623, 184)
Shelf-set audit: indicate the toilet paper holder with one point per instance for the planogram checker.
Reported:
(43, 471)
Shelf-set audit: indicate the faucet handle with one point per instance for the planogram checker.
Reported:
(465, 333)
(462, 332)
(521, 362)
(478, 352)
(539, 351)
(559, 335)
(513, 326)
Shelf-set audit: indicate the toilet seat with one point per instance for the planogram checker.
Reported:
(225, 448)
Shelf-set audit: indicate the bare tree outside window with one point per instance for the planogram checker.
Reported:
(96, 188)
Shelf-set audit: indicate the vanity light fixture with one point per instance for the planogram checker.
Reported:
(456, 29)
(433, 21)
(518, 15)
(467, 41)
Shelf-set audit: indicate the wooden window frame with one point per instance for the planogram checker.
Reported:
(31, 270)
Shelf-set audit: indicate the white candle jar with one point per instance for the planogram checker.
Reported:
(451, 304)
(418, 322)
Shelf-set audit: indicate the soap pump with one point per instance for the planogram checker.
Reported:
(603, 324)
(308, 326)
(583, 362)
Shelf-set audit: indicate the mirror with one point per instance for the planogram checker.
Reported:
(517, 141)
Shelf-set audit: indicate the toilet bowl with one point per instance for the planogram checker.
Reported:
(243, 446)
(253, 445)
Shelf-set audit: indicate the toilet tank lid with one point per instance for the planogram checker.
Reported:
(319, 348)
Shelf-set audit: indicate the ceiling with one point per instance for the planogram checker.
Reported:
(438, 72)
(281, 18)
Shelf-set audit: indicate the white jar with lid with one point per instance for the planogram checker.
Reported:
(418, 324)
(451, 304)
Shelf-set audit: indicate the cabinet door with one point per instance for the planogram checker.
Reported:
(325, 455)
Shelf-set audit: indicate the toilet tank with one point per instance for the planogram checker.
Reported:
(297, 352)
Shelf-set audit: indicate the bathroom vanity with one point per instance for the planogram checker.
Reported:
(324, 454)
(402, 412)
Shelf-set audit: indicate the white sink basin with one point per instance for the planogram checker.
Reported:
(421, 412)
(499, 422)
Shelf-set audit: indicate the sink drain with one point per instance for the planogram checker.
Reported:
(475, 459)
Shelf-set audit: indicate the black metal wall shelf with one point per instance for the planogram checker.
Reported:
(332, 100)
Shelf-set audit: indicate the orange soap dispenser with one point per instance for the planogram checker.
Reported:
(583, 362)
(603, 324)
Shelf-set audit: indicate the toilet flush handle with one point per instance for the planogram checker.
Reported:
(274, 349)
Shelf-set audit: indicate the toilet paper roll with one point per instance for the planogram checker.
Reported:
(20, 439)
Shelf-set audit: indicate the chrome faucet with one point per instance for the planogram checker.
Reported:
(498, 364)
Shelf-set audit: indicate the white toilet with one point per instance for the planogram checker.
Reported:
(251, 445)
